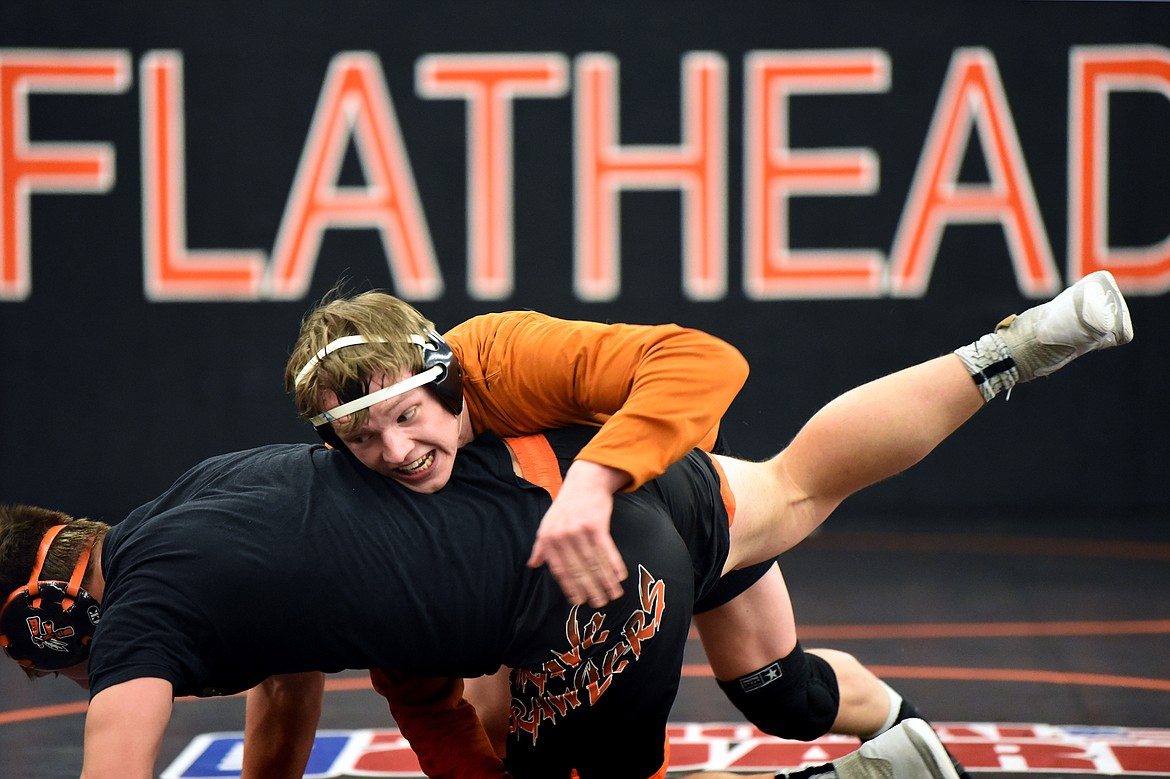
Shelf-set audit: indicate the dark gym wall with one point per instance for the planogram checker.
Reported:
(143, 143)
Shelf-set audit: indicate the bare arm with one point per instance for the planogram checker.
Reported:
(280, 724)
(124, 729)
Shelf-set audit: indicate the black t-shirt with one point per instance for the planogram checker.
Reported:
(291, 558)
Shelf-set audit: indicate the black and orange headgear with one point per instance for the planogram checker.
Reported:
(47, 624)
(441, 373)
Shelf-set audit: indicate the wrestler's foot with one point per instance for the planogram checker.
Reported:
(909, 750)
(1087, 316)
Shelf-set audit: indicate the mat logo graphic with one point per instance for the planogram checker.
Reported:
(981, 747)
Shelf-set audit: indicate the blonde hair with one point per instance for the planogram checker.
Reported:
(384, 321)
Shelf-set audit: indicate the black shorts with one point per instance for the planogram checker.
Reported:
(735, 582)
(732, 585)
(600, 700)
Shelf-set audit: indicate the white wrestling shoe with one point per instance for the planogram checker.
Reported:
(909, 750)
(1087, 316)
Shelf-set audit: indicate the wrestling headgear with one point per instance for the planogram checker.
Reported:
(441, 373)
(47, 625)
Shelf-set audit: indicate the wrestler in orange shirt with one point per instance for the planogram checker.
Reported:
(656, 392)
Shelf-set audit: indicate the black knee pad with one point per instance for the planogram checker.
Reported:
(795, 697)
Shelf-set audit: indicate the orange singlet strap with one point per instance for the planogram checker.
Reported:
(725, 491)
(538, 461)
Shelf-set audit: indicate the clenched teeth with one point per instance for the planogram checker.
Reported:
(419, 464)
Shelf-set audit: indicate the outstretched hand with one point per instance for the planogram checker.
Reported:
(574, 540)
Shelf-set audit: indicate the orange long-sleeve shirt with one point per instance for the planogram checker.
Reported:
(657, 391)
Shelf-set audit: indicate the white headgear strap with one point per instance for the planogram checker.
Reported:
(406, 385)
(341, 343)
(377, 396)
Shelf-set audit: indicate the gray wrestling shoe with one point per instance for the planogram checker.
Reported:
(909, 750)
(1087, 316)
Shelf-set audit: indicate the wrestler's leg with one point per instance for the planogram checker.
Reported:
(756, 631)
(492, 698)
(870, 433)
(751, 630)
(882, 428)
(909, 751)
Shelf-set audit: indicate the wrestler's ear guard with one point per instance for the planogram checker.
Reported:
(47, 625)
(448, 385)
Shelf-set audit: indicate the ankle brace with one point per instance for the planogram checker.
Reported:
(990, 364)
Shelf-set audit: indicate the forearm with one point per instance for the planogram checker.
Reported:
(124, 727)
(280, 725)
(589, 477)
